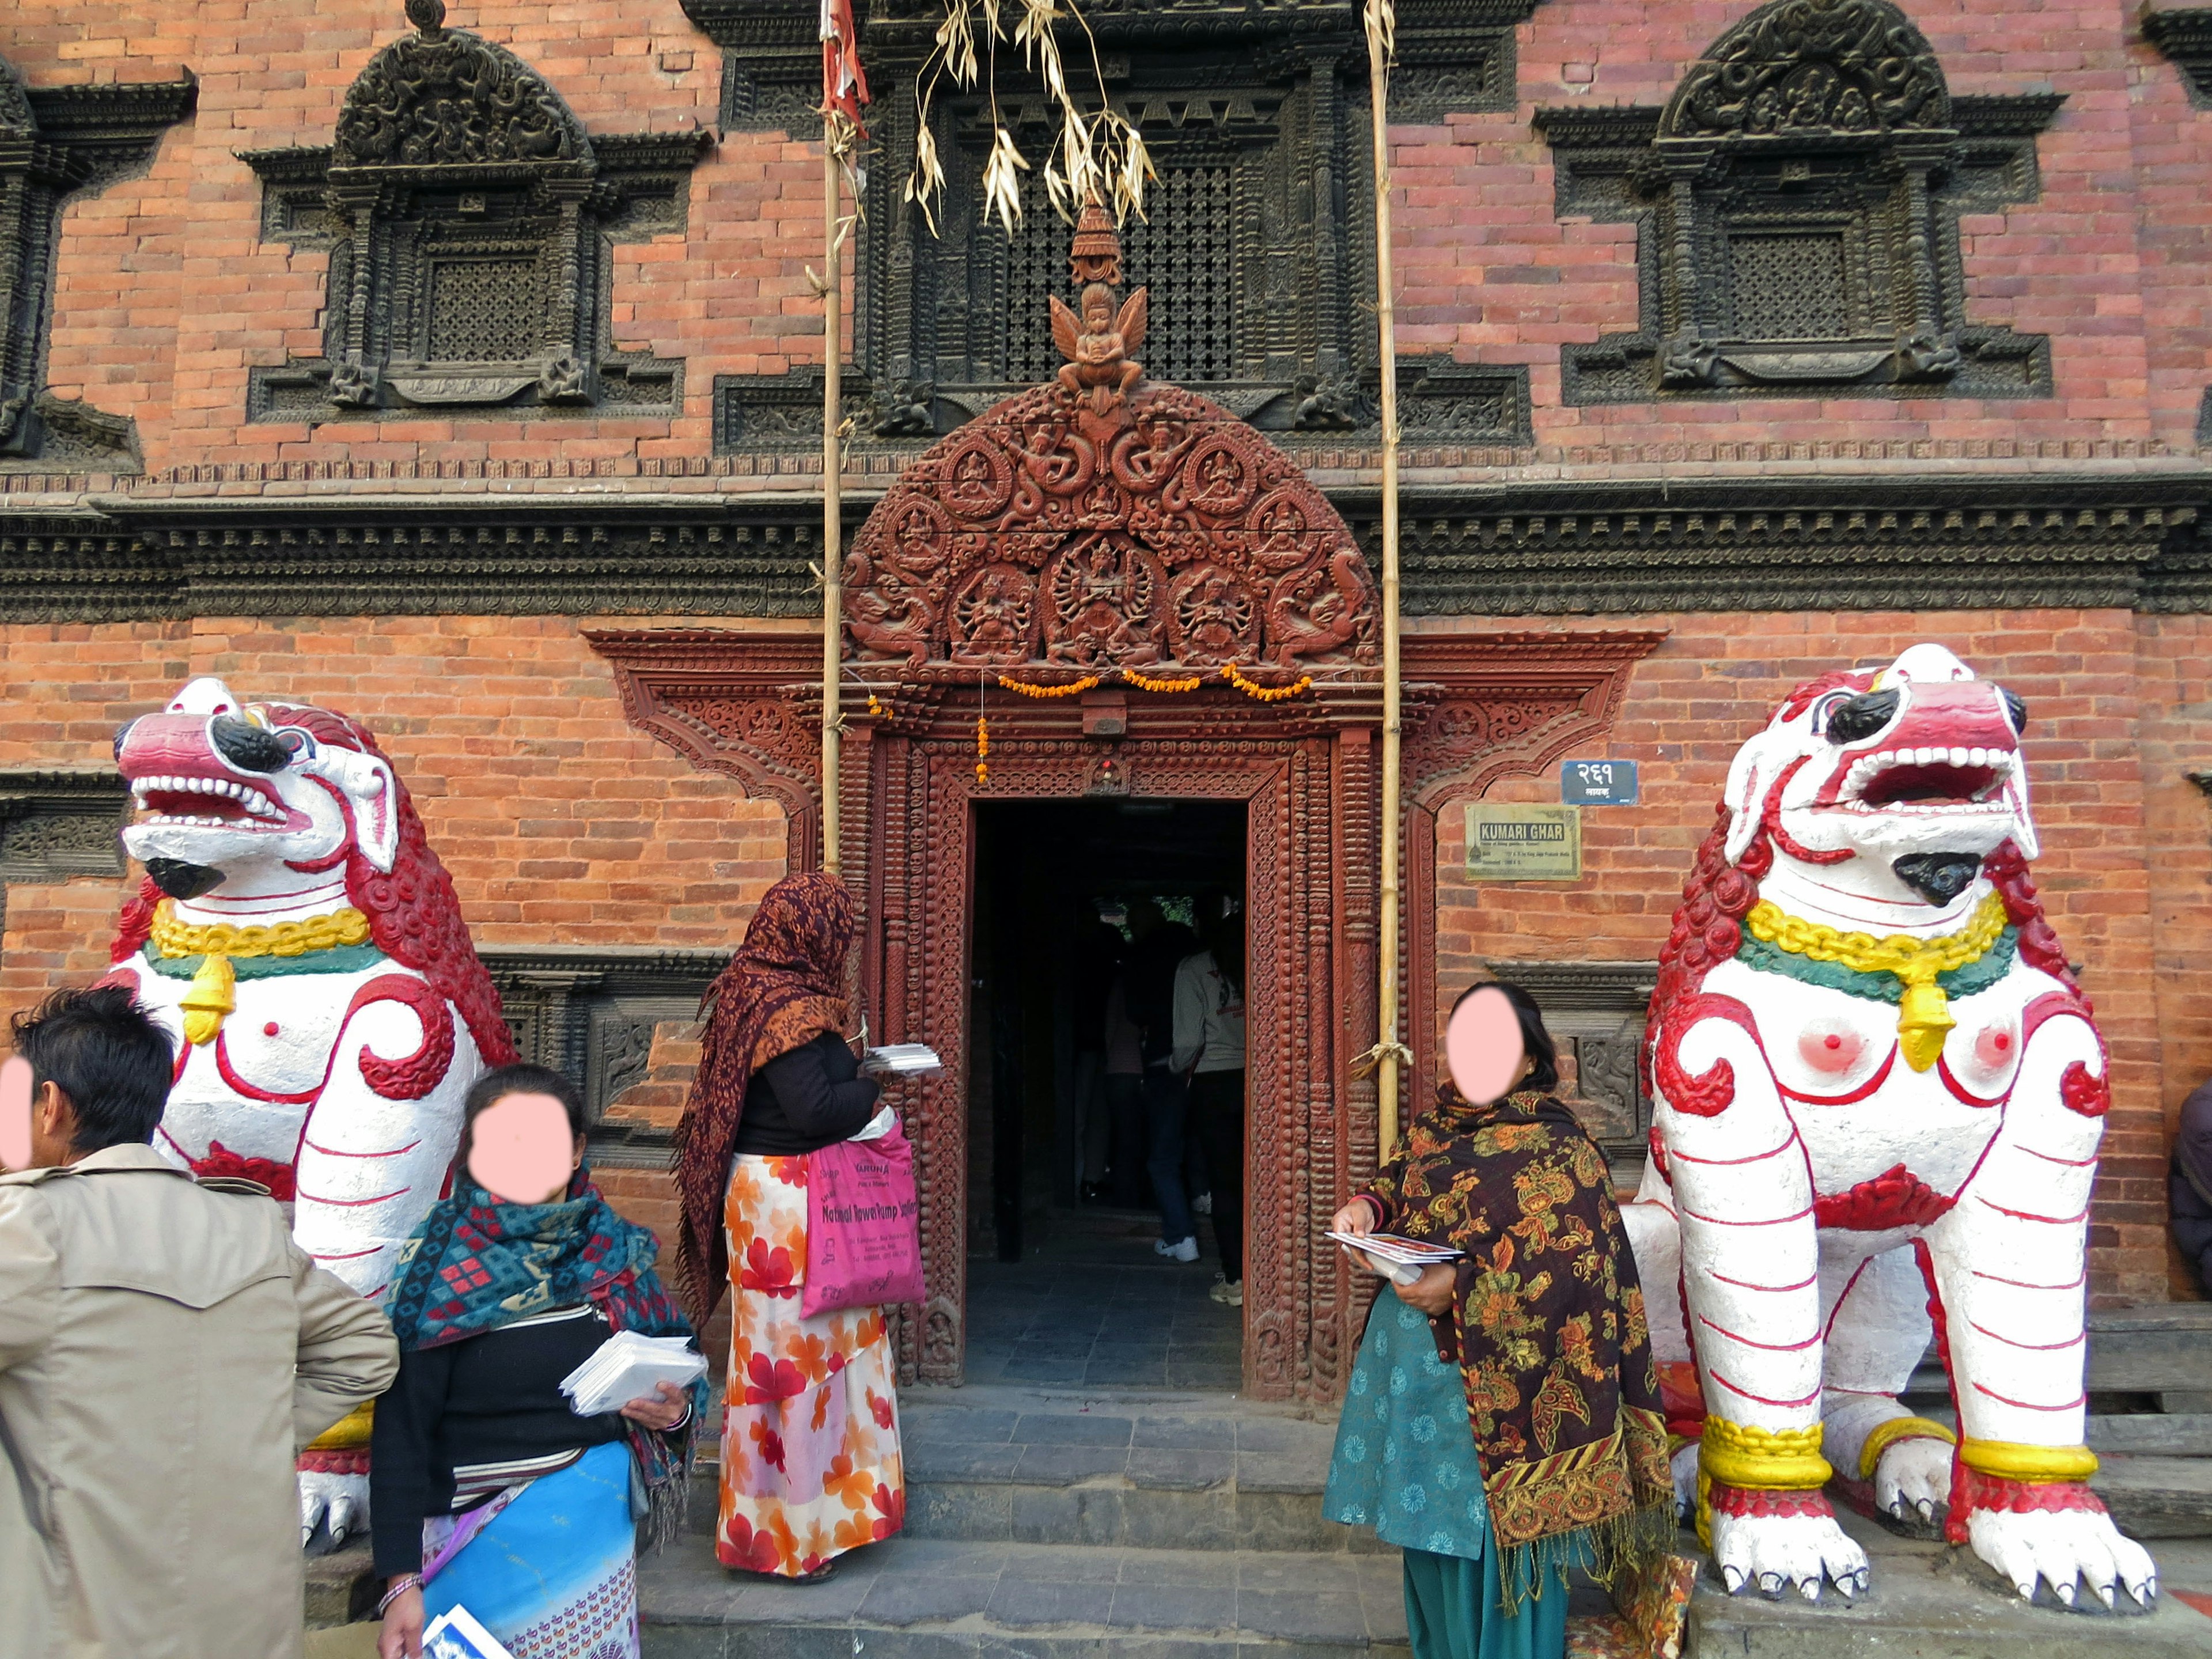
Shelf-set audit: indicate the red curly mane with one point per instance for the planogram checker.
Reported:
(413, 915)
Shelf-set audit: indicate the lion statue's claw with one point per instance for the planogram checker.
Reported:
(1779, 1552)
(2069, 1550)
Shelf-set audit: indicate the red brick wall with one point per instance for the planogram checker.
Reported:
(165, 292)
(2121, 877)
(560, 823)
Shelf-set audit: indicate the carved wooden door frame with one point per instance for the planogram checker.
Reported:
(1481, 706)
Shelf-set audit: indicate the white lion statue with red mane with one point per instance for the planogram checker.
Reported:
(303, 946)
(1878, 1097)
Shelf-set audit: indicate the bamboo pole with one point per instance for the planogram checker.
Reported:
(833, 468)
(1387, 1048)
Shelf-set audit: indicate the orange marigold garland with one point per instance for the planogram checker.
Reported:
(982, 749)
(1143, 684)
(1068, 690)
(1258, 693)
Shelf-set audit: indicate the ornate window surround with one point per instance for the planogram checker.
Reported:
(470, 218)
(57, 144)
(1275, 95)
(1815, 138)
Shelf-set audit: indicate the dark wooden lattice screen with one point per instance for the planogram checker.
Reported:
(1790, 287)
(483, 310)
(1184, 250)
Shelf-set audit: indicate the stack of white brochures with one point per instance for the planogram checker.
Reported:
(906, 1059)
(626, 1367)
(1401, 1261)
(457, 1635)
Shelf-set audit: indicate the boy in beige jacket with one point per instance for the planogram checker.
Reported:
(165, 1349)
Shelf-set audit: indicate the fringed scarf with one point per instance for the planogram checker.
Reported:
(785, 986)
(477, 1263)
(1547, 1328)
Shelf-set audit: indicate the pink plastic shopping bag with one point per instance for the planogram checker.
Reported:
(863, 1225)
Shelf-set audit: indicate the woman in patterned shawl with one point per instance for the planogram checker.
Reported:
(810, 1463)
(1502, 1425)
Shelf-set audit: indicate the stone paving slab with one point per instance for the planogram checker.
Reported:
(920, 1598)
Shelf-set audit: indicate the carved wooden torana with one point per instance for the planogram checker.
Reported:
(1101, 521)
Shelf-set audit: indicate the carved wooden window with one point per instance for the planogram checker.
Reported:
(1256, 243)
(468, 215)
(1798, 200)
(55, 143)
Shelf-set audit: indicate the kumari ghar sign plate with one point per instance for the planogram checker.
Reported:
(1507, 842)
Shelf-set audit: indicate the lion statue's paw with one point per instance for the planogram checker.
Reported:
(2066, 1548)
(1913, 1477)
(340, 1500)
(1773, 1553)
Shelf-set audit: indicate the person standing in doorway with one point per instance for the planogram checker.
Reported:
(1159, 948)
(166, 1349)
(1209, 1050)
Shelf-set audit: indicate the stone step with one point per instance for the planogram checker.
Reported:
(2173, 1434)
(923, 1598)
(1138, 1470)
(2156, 1497)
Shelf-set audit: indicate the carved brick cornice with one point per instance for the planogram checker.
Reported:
(1754, 542)
(1782, 544)
(550, 556)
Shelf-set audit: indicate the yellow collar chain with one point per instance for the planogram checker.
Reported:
(1923, 1013)
(173, 938)
(213, 993)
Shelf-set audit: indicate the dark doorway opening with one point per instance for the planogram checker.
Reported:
(1064, 1283)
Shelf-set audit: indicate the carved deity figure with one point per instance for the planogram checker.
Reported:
(991, 617)
(1878, 1095)
(302, 946)
(1098, 347)
(1102, 600)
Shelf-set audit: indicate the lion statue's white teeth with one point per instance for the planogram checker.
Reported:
(303, 945)
(1878, 1093)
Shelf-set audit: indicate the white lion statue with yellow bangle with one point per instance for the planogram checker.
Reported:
(302, 945)
(1878, 1096)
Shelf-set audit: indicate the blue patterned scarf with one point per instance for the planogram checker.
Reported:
(476, 1264)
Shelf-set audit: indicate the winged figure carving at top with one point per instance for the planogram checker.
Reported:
(1098, 344)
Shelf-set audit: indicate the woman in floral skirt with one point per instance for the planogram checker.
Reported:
(811, 1464)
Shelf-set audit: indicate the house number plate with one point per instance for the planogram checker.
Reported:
(1597, 782)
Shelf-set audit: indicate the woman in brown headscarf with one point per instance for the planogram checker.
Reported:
(811, 1464)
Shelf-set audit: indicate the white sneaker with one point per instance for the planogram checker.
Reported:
(1185, 1251)
(1229, 1295)
(1202, 1205)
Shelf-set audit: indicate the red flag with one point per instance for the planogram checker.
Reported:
(844, 85)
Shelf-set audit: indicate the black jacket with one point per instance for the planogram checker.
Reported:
(812, 1097)
(488, 1400)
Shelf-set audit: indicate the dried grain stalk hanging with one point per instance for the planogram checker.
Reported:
(1101, 155)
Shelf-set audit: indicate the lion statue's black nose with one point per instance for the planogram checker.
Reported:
(1860, 717)
(248, 746)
